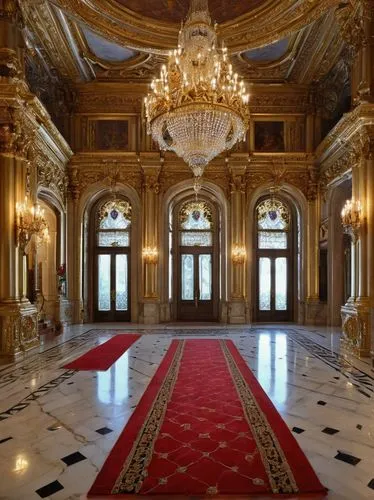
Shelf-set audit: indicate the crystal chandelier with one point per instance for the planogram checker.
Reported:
(198, 107)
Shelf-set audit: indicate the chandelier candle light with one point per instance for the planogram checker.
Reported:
(198, 107)
(30, 222)
(351, 218)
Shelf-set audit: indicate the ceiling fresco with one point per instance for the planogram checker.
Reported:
(269, 53)
(106, 50)
(176, 10)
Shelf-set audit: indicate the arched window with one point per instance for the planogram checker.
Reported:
(274, 262)
(273, 224)
(114, 224)
(197, 261)
(113, 237)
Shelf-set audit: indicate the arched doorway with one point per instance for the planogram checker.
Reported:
(196, 263)
(110, 237)
(275, 262)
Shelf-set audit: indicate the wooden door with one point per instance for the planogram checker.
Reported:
(274, 261)
(197, 264)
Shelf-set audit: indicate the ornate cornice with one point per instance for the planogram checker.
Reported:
(349, 143)
(43, 22)
(269, 22)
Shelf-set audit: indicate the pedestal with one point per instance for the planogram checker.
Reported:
(151, 313)
(236, 313)
(356, 327)
(18, 328)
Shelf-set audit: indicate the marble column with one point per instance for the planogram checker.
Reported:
(237, 305)
(150, 244)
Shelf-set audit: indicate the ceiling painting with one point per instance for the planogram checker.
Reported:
(106, 50)
(176, 10)
(269, 53)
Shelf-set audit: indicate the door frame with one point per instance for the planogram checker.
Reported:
(290, 252)
(177, 250)
(89, 253)
(112, 315)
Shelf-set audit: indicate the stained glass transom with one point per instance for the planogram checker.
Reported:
(113, 224)
(272, 239)
(196, 238)
(273, 223)
(195, 215)
(113, 239)
(273, 215)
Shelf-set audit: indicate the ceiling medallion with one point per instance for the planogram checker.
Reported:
(198, 107)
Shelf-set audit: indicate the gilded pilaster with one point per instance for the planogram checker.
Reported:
(356, 312)
(237, 304)
(150, 250)
(313, 308)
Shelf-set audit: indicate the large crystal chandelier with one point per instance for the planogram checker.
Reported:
(198, 107)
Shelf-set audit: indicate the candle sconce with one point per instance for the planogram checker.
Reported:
(238, 254)
(351, 217)
(150, 255)
(30, 224)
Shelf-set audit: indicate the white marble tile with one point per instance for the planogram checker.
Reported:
(296, 366)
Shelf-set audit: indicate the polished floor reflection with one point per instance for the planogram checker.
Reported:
(57, 426)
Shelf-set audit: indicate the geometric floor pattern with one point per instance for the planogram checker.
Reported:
(58, 426)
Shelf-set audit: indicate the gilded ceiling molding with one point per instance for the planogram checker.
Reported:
(349, 16)
(319, 52)
(42, 21)
(258, 27)
(349, 143)
(344, 131)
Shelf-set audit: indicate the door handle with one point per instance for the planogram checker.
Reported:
(113, 295)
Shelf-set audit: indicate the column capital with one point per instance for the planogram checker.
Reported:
(150, 178)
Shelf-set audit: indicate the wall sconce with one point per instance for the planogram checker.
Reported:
(238, 254)
(351, 216)
(150, 255)
(30, 222)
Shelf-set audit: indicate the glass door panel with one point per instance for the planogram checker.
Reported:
(281, 284)
(121, 291)
(104, 282)
(264, 284)
(205, 277)
(112, 286)
(273, 288)
(188, 281)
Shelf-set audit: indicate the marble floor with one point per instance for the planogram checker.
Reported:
(57, 426)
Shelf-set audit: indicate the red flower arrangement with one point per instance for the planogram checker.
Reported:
(61, 272)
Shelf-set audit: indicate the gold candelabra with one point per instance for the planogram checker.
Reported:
(150, 255)
(351, 217)
(30, 223)
(238, 254)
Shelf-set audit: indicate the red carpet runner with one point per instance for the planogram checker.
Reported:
(103, 356)
(205, 427)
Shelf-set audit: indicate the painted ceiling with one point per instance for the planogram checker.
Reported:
(271, 52)
(106, 50)
(176, 10)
